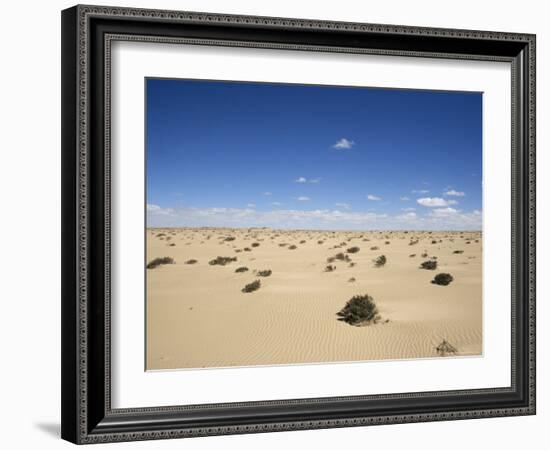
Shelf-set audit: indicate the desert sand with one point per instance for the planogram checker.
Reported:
(197, 315)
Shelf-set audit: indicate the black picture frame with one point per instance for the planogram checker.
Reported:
(87, 416)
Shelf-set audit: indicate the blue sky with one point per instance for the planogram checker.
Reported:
(317, 157)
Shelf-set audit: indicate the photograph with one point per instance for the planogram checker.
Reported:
(310, 224)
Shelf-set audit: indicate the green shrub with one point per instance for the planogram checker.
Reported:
(222, 260)
(160, 262)
(360, 310)
(429, 265)
(442, 279)
(380, 261)
(251, 287)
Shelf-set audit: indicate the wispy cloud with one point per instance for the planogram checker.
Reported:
(454, 193)
(437, 219)
(408, 209)
(444, 212)
(343, 205)
(433, 202)
(156, 210)
(276, 204)
(420, 191)
(373, 197)
(307, 180)
(404, 199)
(303, 199)
(343, 144)
(268, 193)
(251, 205)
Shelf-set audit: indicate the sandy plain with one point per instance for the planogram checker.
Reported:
(197, 315)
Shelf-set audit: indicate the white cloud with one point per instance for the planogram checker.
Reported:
(251, 205)
(373, 197)
(433, 202)
(327, 219)
(276, 204)
(268, 193)
(344, 144)
(454, 193)
(404, 199)
(343, 205)
(420, 191)
(306, 180)
(408, 209)
(303, 199)
(443, 212)
(156, 210)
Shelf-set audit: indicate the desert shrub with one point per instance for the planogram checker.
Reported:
(442, 279)
(264, 273)
(320, 242)
(352, 264)
(330, 268)
(353, 249)
(302, 242)
(241, 269)
(412, 255)
(413, 242)
(255, 244)
(229, 239)
(160, 262)
(351, 280)
(445, 349)
(434, 242)
(292, 247)
(342, 257)
(161, 235)
(468, 242)
(171, 245)
(283, 245)
(251, 287)
(247, 249)
(458, 252)
(222, 260)
(429, 265)
(387, 242)
(380, 261)
(238, 250)
(191, 261)
(374, 248)
(360, 310)
(424, 255)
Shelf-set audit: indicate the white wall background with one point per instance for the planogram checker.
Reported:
(30, 224)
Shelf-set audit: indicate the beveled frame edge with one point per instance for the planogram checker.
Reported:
(76, 219)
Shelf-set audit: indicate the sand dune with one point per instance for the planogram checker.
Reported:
(198, 316)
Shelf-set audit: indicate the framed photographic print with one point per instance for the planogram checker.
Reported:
(278, 224)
